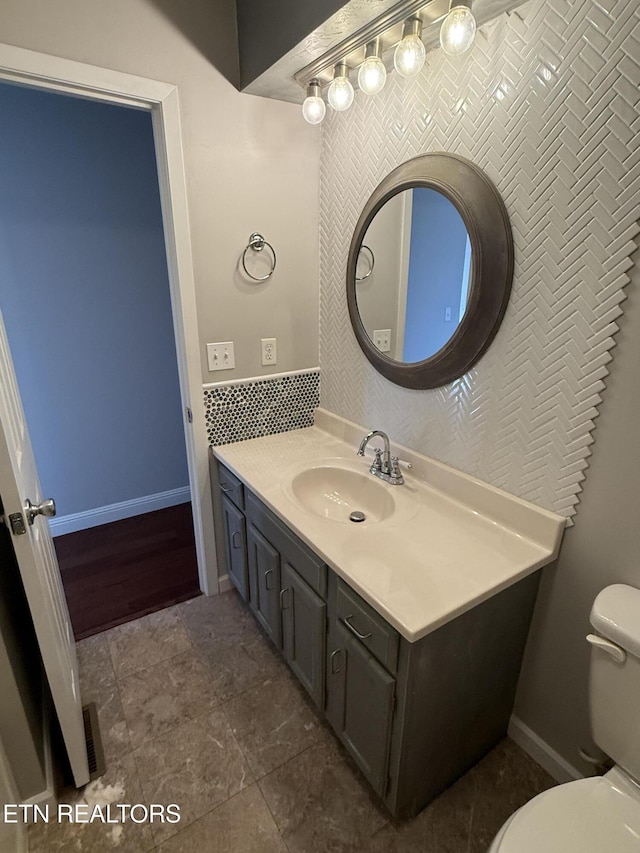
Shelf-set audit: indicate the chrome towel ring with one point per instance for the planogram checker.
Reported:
(372, 262)
(257, 243)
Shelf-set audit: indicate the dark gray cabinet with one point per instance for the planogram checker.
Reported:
(366, 625)
(227, 493)
(287, 593)
(264, 583)
(235, 542)
(304, 620)
(362, 655)
(360, 704)
(302, 559)
(283, 581)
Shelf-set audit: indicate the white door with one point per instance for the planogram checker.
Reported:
(39, 566)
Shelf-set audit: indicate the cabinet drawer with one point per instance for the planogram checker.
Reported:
(368, 626)
(308, 565)
(231, 486)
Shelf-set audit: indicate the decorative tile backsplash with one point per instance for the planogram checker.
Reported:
(254, 407)
(547, 102)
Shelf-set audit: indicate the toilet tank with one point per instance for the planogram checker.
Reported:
(614, 689)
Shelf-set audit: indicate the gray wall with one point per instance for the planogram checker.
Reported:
(21, 679)
(92, 344)
(602, 548)
(251, 164)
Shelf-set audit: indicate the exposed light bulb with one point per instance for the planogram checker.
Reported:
(340, 92)
(313, 108)
(458, 28)
(410, 55)
(372, 74)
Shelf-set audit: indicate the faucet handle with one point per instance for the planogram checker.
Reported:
(396, 462)
(376, 465)
(395, 474)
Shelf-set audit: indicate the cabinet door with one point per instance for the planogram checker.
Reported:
(360, 704)
(264, 583)
(303, 632)
(235, 543)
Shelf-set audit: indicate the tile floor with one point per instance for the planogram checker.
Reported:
(197, 708)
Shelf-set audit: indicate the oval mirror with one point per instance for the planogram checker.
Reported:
(430, 270)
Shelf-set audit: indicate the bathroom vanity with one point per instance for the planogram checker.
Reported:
(412, 658)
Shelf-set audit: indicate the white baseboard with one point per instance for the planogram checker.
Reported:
(116, 512)
(542, 753)
(225, 584)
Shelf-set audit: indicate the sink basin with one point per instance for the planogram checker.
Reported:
(335, 492)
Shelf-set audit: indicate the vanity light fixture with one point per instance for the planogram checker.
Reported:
(340, 93)
(458, 28)
(405, 29)
(410, 54)
(372, 74)
(313, 108)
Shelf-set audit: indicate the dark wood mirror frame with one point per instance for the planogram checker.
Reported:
(485, 217)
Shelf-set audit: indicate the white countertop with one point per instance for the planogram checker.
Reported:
(454, 543)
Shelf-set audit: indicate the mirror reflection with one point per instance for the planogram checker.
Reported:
(413, 274)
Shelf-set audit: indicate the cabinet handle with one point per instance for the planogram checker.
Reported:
(236, 542)
(355, 630)
(282, 604)
(334, 671)
(226, 487)
(266, 579)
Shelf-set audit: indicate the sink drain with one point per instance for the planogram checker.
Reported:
(357, 516)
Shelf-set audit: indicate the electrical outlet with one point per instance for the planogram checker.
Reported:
(221, 356)
(447, 314)
(269, 351)
(382, 339)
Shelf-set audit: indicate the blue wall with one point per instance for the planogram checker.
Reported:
(436, 266)
(85, 297)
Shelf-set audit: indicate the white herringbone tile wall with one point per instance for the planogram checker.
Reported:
(547, 103)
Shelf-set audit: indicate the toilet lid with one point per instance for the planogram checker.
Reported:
(588, 816)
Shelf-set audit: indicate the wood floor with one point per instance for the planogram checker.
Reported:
(117, 572)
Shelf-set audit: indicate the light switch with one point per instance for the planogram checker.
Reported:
(221, 356)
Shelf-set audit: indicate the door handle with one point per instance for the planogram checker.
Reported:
(355, 630)
(236, 542)
(46, 508)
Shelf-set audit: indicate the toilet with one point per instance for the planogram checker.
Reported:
(600, 814)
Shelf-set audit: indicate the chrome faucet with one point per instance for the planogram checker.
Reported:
(385, 466)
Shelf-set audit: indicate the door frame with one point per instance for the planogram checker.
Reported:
(43, 71)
